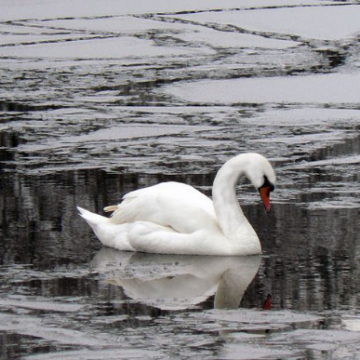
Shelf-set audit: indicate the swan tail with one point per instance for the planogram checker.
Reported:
(109, 234)
(91, 218)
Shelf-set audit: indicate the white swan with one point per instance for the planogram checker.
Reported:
(175, 218)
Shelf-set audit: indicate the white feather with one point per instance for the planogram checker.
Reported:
(175, 218)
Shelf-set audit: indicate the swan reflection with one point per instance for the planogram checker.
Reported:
(174, 282)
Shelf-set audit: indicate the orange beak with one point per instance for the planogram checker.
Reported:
(265, 196)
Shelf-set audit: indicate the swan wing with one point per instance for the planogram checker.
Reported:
(170, 204)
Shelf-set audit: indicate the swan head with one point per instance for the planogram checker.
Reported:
(251, 165)
(262, 176)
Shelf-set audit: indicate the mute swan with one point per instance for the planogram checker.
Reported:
(175, 218)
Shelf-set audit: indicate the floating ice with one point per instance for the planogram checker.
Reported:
(185, 32)
(40, 305)
(12, 10)
(36, 327)
(108, 354)
(109, 48)
(337, 88)
(325, 23)
(119, 133)
(305, 116)
(229, 40)
(116, 24)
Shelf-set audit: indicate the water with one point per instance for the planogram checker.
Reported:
(96, 102)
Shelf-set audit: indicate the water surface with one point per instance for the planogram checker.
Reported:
(96, 102)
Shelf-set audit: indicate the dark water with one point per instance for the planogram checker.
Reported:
(61, 291)
(86, 130)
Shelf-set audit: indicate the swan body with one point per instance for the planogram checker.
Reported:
(175, 218)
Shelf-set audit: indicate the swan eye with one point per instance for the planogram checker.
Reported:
(267, 184)
(265, 190)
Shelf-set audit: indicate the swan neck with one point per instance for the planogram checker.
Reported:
(224, 187)
(229, 214)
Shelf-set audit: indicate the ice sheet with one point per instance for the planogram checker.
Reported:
(326, 23)
(116, 24)
(305, 117)
(233, 40)
(101, 48)
(320, 88)
(28, 39)
(39, 9)
(120, 133)
(185, 32)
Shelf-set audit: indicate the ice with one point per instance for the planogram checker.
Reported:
(271, 319)
(36, 327)
(15, 10)
(337, 88)
(116, 24)
(347, 203)
(186, 32)
(40, 305)
(355, 159)
(248, 352)
(306, 117)
(99, 98)
(318, 338)
(221, 39)
(44, 38)
(351, 323)
(108, 354)
(305, 139)
(110, 48)
(324, 23)
(119, 133)
(12, 34)
(133, 131)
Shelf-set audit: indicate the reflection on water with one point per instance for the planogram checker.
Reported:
(52, 265)
(171, 282)
(310, 258)
(86, 131)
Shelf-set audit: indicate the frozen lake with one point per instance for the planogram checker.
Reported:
(101, 98)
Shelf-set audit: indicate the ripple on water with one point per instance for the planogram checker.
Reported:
(83, 122)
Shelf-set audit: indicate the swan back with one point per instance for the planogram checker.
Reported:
(170, 204)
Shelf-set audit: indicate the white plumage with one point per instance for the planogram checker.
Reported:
(175, 218)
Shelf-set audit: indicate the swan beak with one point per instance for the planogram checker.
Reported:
(265, 196)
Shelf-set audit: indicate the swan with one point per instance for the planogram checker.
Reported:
(175, 218)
